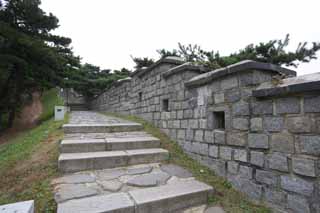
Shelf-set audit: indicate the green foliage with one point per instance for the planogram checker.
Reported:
(31, 58)
(89, 80)
(142, 62)
(49, 100)
(273, 52)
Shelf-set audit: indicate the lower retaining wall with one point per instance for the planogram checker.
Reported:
(267, 146)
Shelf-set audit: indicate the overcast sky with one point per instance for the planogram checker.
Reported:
(107, 32)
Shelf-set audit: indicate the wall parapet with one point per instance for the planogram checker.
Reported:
(236, 68)
(300, 84)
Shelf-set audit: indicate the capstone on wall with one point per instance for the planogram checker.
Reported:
(245, 122)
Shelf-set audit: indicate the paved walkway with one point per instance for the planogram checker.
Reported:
(121, 171)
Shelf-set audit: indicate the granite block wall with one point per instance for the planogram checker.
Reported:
(259, 132)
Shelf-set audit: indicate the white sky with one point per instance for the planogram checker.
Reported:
(107, 32)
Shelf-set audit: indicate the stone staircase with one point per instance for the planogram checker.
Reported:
(112, 165)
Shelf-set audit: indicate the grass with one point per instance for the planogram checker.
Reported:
(28, 162)
(49, 100)
(227, 197)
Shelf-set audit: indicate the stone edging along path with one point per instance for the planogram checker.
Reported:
(112, 165)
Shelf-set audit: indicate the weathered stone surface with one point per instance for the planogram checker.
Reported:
(82, 145)
(240, 108)
(310, 144)
(256, 124)
(229, 82)
(132, 143)
(214, 209)
(72, 191)
(208, 137)
(240, 155)
(175, 170)
(297, 185)
(213, 151)
(198, 135)
(20, 207)
(232, 95)
(275, 197)
(266, 177)
(245, 172)
(273, 124)
(147, 180)
(237, 139)
(282, 142)
(110, 174)
(139, 170)
(311, 104)
(218, 98)
(299, 124)
(219, 136)
(225, 153)
(117, 203)
(298, 204)
(111, 185)
(260, 141)
(278, 162)
(257, 158)
(262, 107)
(288, 105)
(304, 166)
(76, 178)
(73, 162)
(170, 198)
(142, 156)
(233, 167)
(240, 123)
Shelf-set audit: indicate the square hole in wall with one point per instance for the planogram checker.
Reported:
(219, 120)
(140, 96)
(165, 105)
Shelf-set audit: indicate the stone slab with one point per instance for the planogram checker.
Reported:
(132, 143)
(147, 180)
(82, 145)
(111, 185)
(175, 170)
(111, 203)
(73, 162)
(75, 178)
(171, 197)
(101, 128)
(139, 170)
(20, 207)
(141, 156)
(72, 191)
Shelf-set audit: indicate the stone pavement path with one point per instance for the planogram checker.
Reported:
(113, 168)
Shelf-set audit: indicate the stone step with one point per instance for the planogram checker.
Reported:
(73, 162)
(108, 144)
(168, 198)
(101, 128)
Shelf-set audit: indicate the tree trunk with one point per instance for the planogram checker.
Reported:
(12, 115)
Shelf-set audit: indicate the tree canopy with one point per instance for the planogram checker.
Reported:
(273, 51)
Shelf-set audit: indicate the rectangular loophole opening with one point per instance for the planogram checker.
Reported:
(165, 105)
(219, 120)
(140, 96)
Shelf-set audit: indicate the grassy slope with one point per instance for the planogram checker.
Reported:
(29, 161)
(231, 200)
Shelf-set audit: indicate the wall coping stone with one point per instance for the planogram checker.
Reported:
(169, 60)
(300, 84)
(188, 66)
(235, 68)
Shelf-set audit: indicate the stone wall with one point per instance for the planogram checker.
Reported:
(244, 122)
